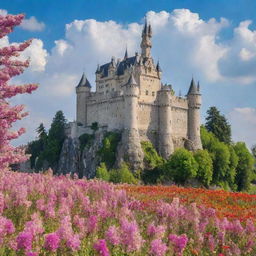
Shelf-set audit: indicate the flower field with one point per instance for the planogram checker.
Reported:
(231, 205)
(50, 215)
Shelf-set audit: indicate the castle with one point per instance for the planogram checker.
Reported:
(130, 98)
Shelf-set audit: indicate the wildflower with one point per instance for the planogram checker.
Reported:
(130, 235)
(92, 223)
(112, 235)
(24, 240)
(179, 242)
(51, 242)
(73, 242)
(158, 248)
(156, 231)
(250, 228)
(32, 254)
(101, 247)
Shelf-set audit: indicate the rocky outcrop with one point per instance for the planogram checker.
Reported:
(69, 157)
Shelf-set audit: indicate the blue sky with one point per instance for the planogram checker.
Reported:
(211, 39)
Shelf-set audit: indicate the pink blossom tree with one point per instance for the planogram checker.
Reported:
(11, 66)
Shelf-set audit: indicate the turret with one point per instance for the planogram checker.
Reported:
(132, 151)
(166, 147)
(112, 67)
(159, 70)
(131, 93)
(146, 41)
(194, 104)
(83, 90)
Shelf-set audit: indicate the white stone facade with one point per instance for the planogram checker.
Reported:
(130, 96)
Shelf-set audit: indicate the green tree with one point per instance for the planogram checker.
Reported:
(122, 175)
(109, 147)
(56, 137)
(205, 166)
(181, 166)
(218, 125)
(102, 172)
(151, 157)
(42, 134)
(254, 151)
(244, 167)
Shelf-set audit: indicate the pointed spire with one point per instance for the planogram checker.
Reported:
(84, 82)
(198, 87)
(192, 88)
(149, 30)
(98, 68)
(145, 29)
(126, 54)
(158, 68)
(132, 80)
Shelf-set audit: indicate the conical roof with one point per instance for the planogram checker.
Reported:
(192, 88)
(84, 82)
(126, 54)
(132, 80)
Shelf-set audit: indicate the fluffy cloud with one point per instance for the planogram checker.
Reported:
(32, 24)
(184, 43)
(243, 121)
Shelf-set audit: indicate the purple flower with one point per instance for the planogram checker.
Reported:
(32, 254)
(101, 247)
(92, 223)
(24, 240)
(158, 248)
(51, 242)
(156, 231)
(112, 235)
(179, 242)
(250, 228)
(73, 242)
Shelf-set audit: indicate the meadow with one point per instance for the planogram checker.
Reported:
(42, 214)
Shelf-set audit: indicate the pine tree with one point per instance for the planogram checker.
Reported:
(218, 125)
(41, 131)
(10, 66)
(56, 137)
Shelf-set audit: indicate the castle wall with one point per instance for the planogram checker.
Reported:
(108, 112)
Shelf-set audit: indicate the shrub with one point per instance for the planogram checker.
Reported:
(122, 175)
(109, 147)
(102, 172)
(181, 166)
(151, 157)
(205, 167)
(85, 140)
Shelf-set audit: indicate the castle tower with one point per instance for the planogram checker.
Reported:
(132, 151)
(146, 41)
(83, 90)
(194, 104)
(166, 147)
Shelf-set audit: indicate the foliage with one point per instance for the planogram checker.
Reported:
(55, 215)
(254, 151)
(218, 125)
(56, 137)
(10, 66)
(85, 140)
(244, 167)
(108, 150)
(153, 176)
(95, 126)
(205, 167)
(181, 166)
(102, 172)
(151, 157)
(122, 175)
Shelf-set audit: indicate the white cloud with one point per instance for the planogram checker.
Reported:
(32, 24)
(3, 12)
(243, 121)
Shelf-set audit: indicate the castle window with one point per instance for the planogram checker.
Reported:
(153, 93)
(146, 92)
(106, 85)
(106, 91)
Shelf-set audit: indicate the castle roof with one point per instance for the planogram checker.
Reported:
(132, 80)
(122, 66)
(84, 82)
(192, 88)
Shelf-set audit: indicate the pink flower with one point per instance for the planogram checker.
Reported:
(51, 242)
(158, 248)
(112, 235)
(130, 235)
(92, 224)
(32, 254)
(101, 247)
(73, 242)
(179, 242)
(24, 240)
(156, 231)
